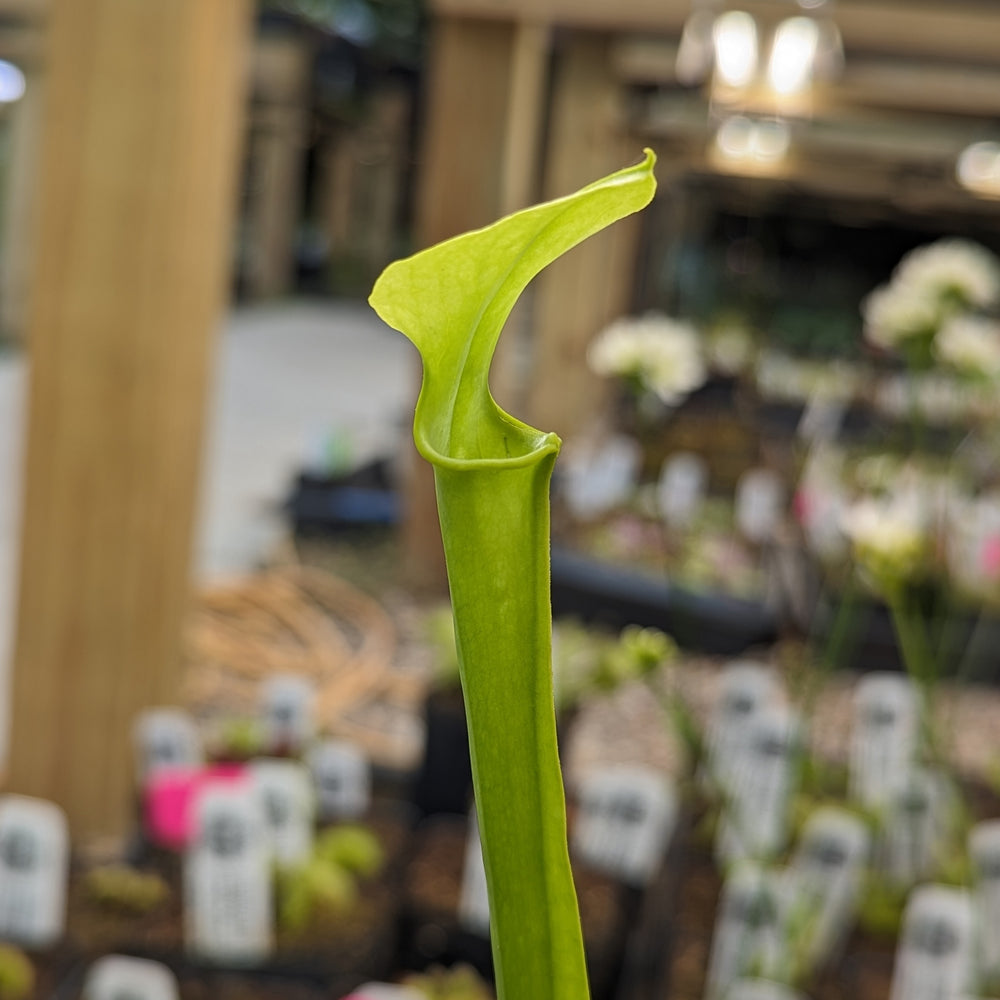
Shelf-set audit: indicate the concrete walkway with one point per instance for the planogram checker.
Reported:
(288, 375)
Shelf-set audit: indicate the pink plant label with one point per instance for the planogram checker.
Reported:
(990, 557)
(384, 991)
(170, 798)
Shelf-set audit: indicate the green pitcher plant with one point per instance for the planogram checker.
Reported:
(492, 474)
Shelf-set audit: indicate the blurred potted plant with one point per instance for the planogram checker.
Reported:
(337, 910)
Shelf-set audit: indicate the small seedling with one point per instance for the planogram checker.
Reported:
(126, 889)
(17, 974)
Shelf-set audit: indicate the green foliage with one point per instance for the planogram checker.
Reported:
(354, 848)
(17, 974)
(461, 982)
(239, 739)
(492, 474)
(439, 630)
(327, 883)
(882, 905)
(311, 888)
(126, 889)
(637, 653)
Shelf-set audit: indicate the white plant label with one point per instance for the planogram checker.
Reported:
(760, 498)
(385, 991)
(627, 817)
(288, 710)
(121, 977)
(935, 957)
(288, 805)
(745, 688)
(821, 419)
(915, 827)
(747, 935)
(680, 489)
(34, 861)
(598, 477)
(342, 780)
(984, 849)
(755, 813)
(163, 738)
(474, 900)
(884, 737)
(826, 877)
(762, 989)
(228, 895)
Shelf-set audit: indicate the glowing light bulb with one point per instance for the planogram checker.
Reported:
(793, 55)
(694, 56)
(978, 167)
(770, 141)
(756, 147)
(12, 83)
(734, 36)
(735, 137)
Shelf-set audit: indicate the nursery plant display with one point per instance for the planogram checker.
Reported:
(17, 974)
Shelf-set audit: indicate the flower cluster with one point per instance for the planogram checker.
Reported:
(901, 521)
(653, 353)
(781, 376)
(890, 538)
(931, 289)
(970, 345)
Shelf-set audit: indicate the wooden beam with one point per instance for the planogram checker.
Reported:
(136, 190)
(954, 90)
(461, 157)
(24, 9)
(279, 137)
(657, 15)
(17, 225)
(523, 149)
(950, 31)
(525, 111)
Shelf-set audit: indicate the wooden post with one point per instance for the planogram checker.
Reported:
(136, 192)
(578, 294)
(19, 202)
(459, 189)
(279, 138)
(527, 99)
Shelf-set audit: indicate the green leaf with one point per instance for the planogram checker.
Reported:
(492, 475)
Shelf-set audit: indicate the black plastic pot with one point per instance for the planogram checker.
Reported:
(592, 591)
(364, 498)
(443, 783)
(968, 652)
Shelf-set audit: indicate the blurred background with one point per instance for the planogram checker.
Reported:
(776, 386)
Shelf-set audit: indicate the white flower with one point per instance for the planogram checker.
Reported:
(662, 354)
(890, 537)
(971, 345)
(899, 311)
(940, 398)
(952, 268)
